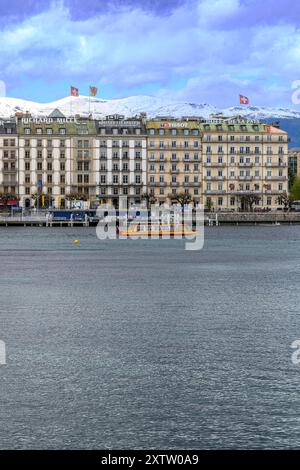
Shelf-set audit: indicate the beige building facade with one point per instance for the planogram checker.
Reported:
(223, 164)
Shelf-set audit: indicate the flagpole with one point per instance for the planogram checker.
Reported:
(71, 104)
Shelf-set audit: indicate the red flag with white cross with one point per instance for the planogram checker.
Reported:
(244, 99)
(74, 91)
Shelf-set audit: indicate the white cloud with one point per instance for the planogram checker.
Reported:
(200, 44)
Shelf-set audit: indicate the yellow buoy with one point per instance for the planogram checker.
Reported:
(76, 242)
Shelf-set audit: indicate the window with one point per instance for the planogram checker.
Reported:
(49, 131)
(62, 131)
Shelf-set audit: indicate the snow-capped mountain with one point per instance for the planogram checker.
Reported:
(133, 105)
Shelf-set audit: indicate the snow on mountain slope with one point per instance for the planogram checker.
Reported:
(133, 105)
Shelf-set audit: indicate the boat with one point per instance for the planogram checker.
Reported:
(148, 229)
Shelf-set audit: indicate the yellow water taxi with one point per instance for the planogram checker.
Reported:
(146, 230)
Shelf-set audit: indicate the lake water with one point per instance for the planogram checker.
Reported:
(141, 344)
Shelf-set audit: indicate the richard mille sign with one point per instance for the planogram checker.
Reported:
(47, 120)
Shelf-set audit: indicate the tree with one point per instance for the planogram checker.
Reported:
(76, 197)
(295, 189)
(249, 200)
(209, 204)
(182, 198)
(285, 200)
(149, 198)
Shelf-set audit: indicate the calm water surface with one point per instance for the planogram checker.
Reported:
(141, 344)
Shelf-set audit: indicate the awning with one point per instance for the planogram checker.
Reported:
(12, 202)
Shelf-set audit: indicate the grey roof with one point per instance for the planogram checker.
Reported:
(56, 113)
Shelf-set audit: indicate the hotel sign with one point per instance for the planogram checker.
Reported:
(119, 123)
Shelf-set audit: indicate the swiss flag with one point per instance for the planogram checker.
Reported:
(74, 91)
(244, 99)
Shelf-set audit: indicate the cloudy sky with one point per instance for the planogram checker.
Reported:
(192, 50)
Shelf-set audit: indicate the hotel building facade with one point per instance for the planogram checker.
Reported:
(225, 164)
(222, 164)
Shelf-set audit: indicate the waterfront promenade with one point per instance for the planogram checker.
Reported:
(215, 218)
